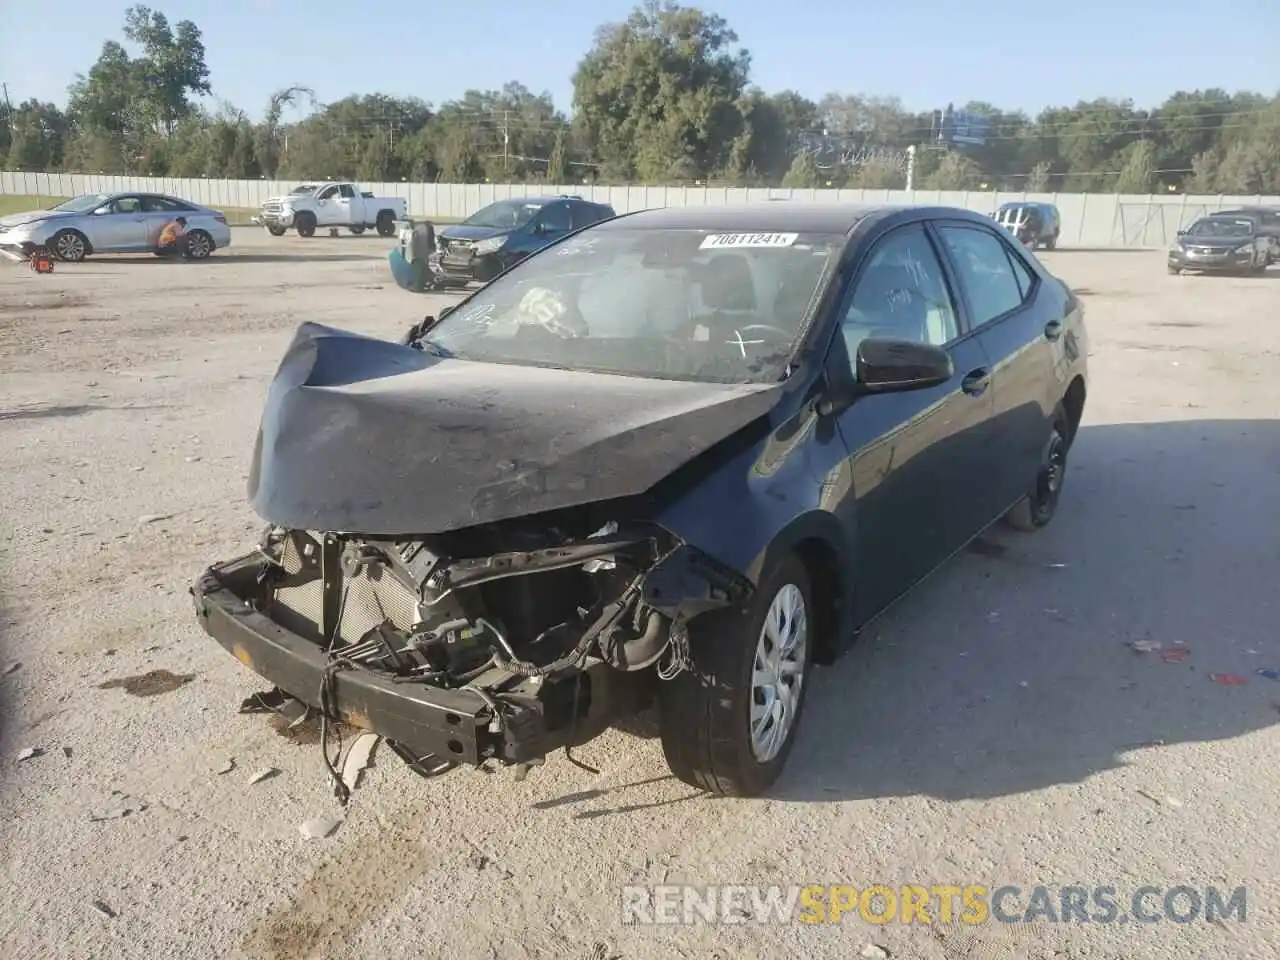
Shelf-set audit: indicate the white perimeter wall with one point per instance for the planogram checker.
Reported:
(1088, 219)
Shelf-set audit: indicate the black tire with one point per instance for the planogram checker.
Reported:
(704, 713)
(1174, 272)
(1051, 243)
(1041, 504)
(357, 230)
(199, 246)
(70, 246)
(276, 231)
(305, 224)
(386, 223)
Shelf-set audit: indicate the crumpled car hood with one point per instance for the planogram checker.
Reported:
(464, 231)
(362, 435)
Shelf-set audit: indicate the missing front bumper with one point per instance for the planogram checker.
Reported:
(453, 725)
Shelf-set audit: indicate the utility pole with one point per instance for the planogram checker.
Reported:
(911, 167)
(8, 107)
(506, 142)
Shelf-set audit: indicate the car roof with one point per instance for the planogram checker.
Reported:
(1232, 217)
(760, 216)
(542, 201)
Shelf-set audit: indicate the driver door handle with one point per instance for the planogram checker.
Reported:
(1053, 330)
(976, 382)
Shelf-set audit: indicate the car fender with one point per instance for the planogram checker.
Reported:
(765, 496)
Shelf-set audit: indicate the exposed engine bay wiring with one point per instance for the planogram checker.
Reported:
(533, 631)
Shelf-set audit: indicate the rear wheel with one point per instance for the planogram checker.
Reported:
(199, 245)
(1040, 505)
(69, 245)
(728, 722)
(305, 224)
(386, 223)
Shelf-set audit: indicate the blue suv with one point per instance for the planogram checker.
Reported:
(498, 236)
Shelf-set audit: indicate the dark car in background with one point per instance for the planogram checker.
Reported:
(1034, 224)
(505, 232)
(678, 457)
(1220, 244)
(1266, 222)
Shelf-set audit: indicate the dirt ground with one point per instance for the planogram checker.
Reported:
(995, 728)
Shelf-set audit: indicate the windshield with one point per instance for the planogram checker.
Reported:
(83, 204)
(1221, 228)
(505, 214)
(668, 304)
(305, 188)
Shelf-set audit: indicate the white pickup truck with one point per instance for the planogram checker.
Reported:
(340, 204)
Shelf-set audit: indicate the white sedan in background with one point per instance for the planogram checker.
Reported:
(112, 223)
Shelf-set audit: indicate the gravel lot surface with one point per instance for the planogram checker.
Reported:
(994, 728)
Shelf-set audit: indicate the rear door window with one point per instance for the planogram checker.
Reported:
(987, 272)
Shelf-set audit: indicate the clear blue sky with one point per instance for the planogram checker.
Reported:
(1017, 54)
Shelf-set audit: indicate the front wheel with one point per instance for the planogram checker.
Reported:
(356, 230)
(276, 231)
(305, 224)
(729, 720)
(1051, 243)
(1040, 505)
(69, 245)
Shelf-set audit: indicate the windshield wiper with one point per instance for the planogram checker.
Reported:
(427, 345)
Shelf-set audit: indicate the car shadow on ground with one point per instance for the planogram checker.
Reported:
(1011, 670)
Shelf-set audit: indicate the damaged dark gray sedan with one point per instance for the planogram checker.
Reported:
(674, 459)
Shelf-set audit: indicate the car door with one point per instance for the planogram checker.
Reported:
(553, 222)
(328, 209)
(917, 459)
(121, 229)
(349, 206)
(1018, 329)
(158, 211)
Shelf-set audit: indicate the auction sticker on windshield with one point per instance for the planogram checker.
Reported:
(717, 241)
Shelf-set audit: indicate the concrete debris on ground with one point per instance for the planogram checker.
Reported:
(317, 828)
(103, 909)
(30, 753)
(358, 759)
(263, 774)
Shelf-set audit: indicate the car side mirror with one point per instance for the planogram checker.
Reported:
(445, 311)
(894, 366)
(101, 210)
(1182, 233)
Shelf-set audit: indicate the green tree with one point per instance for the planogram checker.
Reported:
(1137, 167)
(1038, 179)
(38, 137)
(955, 172)
(558, 163)
(804, 173)
(657, 95)
(172, 66)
